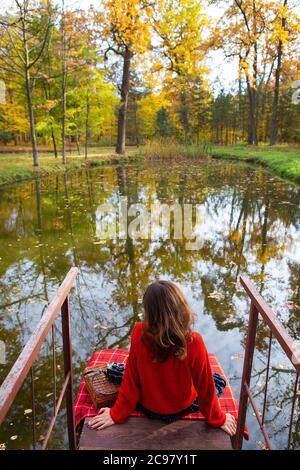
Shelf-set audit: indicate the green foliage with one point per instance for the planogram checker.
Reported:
(164, 125)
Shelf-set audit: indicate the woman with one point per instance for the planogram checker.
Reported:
(167, 367)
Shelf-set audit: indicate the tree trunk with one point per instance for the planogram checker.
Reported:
(137, 140)
(31, 119)
(252, 135)
(184, 116)
(120, 149)
(274, 122)
(54, 143)
(63, 87)
(87, 130)
(252, 91)
(77, 142)
(29, 93)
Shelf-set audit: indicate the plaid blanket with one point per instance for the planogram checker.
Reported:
(84, 406)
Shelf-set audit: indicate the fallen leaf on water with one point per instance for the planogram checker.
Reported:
(228, 320)
(236, 356)
(41, 438)
(98, 325)
(2, 446)
(261, 444)
(215, 295)
(13, 438)
(27, 411)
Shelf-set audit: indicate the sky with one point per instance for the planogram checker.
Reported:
(220, 69)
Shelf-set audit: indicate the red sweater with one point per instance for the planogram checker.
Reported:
(167, 387)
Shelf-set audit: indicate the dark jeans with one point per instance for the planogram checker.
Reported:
(193, 408)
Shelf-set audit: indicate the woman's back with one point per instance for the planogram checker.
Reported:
(167, 387)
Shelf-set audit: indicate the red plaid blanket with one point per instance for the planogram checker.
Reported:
(84, 406)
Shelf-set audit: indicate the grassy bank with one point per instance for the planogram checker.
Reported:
(284, 161)
(15, 168)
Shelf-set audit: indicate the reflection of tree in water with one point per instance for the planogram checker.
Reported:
(51, 224)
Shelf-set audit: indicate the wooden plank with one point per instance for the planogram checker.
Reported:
(21, 367)
(140, 433)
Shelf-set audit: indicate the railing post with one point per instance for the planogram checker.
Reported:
(246, 376)
(67, 350)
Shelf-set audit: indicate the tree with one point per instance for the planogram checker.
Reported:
(24, 39)
(164, 125)
(124, 25)
(285, 29)
(247, 25)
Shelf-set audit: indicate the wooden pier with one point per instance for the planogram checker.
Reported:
(141, 433)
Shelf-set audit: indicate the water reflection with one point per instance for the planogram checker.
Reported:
(251, 226)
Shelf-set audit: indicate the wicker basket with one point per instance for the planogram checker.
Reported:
(101, 390)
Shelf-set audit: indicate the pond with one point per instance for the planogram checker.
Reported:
(249, 225)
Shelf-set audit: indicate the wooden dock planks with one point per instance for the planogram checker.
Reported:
(140, 433)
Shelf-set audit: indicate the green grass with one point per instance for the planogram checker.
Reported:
(19, 167)
(283, 160)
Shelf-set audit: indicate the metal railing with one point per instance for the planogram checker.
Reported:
(277, 331)
(25, 361)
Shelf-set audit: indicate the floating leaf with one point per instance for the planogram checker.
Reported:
(262, 445)
(215, 295)
(2, 446)
(236, 356)
(98, 325)
(13, 438)
(41, 438)
(27, 411)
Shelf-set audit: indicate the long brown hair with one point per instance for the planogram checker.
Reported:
(169, 319)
